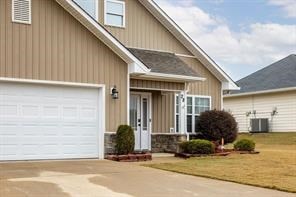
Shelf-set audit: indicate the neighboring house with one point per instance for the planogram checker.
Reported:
(72, 71)
(268, 93)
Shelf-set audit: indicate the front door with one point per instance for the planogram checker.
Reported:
(140, 119)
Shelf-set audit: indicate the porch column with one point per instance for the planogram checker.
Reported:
(182, 103)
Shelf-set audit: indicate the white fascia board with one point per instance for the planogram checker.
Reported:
(93, 26)
(188, 42)
(260, 92)
(171, 77)
(229, 86)
(134, 68)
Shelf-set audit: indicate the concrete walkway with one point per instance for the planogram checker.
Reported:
(89, 178)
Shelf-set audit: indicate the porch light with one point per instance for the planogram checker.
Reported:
(114, 92)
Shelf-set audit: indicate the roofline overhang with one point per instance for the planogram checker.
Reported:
(163, 18)
(278, 90)
(169, 77)
(135, 65)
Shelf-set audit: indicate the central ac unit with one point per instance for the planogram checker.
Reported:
(259, 125)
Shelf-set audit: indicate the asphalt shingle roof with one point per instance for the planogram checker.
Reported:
(281, 74)
(163, 62)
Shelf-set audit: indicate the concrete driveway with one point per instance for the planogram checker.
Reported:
(105, 178)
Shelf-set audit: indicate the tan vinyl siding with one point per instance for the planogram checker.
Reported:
(143, 30)
(57, 47)
(156, 85)
(285, 102)
(210, 87)
(163, 111)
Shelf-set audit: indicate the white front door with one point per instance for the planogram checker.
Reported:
(140, 119)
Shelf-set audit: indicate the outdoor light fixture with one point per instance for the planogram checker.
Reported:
(114, 92)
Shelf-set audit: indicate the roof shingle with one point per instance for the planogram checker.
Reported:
(281, 74)
(163, 62)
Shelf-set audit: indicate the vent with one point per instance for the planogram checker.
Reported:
(21, 11)
(259, 125)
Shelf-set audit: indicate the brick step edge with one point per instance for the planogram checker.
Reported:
(130, 157)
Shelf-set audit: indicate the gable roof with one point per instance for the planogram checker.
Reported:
(164, 63)
(279, 75)
(164, 19)
(135, 65)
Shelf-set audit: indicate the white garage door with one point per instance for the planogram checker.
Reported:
(48, 122)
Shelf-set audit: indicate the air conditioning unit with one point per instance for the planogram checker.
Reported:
(259, 125)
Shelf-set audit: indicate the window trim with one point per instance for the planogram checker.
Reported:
(20, 21)
(193, 109)
(96, 9)
(105, 13)
(177, 130)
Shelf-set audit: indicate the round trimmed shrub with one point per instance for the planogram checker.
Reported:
(198, 147)
(244, 145)
(125, 140)
(215, 125)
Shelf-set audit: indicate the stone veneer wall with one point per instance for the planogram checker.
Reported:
(166, 143)
(109, 143)
(160, 143)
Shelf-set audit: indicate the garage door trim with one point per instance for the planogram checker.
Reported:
(101, 102)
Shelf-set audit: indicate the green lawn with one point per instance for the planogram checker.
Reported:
(274, 167)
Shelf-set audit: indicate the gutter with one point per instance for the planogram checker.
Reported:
(260, 92)
(171, 77)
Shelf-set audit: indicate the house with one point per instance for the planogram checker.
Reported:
(72, 71)
(269, 93)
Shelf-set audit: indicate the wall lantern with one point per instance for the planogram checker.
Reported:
(114, 92)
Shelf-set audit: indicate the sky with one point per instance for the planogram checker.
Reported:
(242, 36)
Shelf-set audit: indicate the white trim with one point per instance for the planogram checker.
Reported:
(187, 56)
(105, 13)
(175, 112)
(20, 21)
(193, 109)
(102, 34)
(128, 97)
(102, 120)
(222, 102)
(260, 92)
(157, 89)
(97, 10)
(188, 42)
(64, 83)
(172, 77)
(102, 97)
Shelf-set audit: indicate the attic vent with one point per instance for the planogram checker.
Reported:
(21, 11)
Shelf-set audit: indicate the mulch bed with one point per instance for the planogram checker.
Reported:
(130, 157)
(219, 153)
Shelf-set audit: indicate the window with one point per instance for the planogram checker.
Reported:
(21, 11)
(90, 6)
(195, 105)
(115, 13)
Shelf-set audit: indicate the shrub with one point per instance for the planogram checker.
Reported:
(244, 145)
(215, 125)
(198, 147)
(125, 140)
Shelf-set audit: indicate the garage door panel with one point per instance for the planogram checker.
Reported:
(8, 110)
(48, 122)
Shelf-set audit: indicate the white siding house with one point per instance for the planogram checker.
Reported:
(268, 93)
